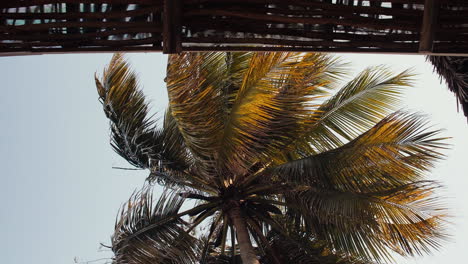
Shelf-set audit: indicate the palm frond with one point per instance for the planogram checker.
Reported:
(396, 151)
(407, 219)
(174, 150)
(454, 70)
(134, 134)
(357, 106)
(166, 242)
(132, 131)
(271, 105)
(196, 103)
(174, 160)
(301, 248)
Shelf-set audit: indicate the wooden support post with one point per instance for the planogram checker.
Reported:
(429, 23)
(172, 27)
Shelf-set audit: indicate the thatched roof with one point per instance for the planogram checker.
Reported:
(454, 70)
(376, 26)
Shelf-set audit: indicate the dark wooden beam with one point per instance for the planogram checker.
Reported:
(429, 23)
(262, 17)
(97, 15)
(172, 27)
(16, 3)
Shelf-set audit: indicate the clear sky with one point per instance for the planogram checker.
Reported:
(59, 190)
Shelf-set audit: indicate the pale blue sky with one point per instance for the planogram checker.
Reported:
(59, 191)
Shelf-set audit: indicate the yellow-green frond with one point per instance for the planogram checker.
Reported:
(273, 104)
(397, 150)
(357, 106)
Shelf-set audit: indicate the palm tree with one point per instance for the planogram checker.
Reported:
(278, 167)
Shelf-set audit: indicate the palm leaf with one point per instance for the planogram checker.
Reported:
(174, 161)
(407, 219)
(166, 242)
(396, 151)
(358, 105)
(196, 101)
(357, 195)
(301, 247)
(454, 70)
(272, 104)
(133, 133)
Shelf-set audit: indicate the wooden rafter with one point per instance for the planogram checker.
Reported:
(429, 24)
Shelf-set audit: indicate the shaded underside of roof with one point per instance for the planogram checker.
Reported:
(394, 26)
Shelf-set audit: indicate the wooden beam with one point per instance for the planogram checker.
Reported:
(16, 3)
(146, 49)
(98, 15)
(41, 51)
(429, 22)
(265, 18)
(172, 27)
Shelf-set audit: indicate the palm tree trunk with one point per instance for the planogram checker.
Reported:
(247, 251)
